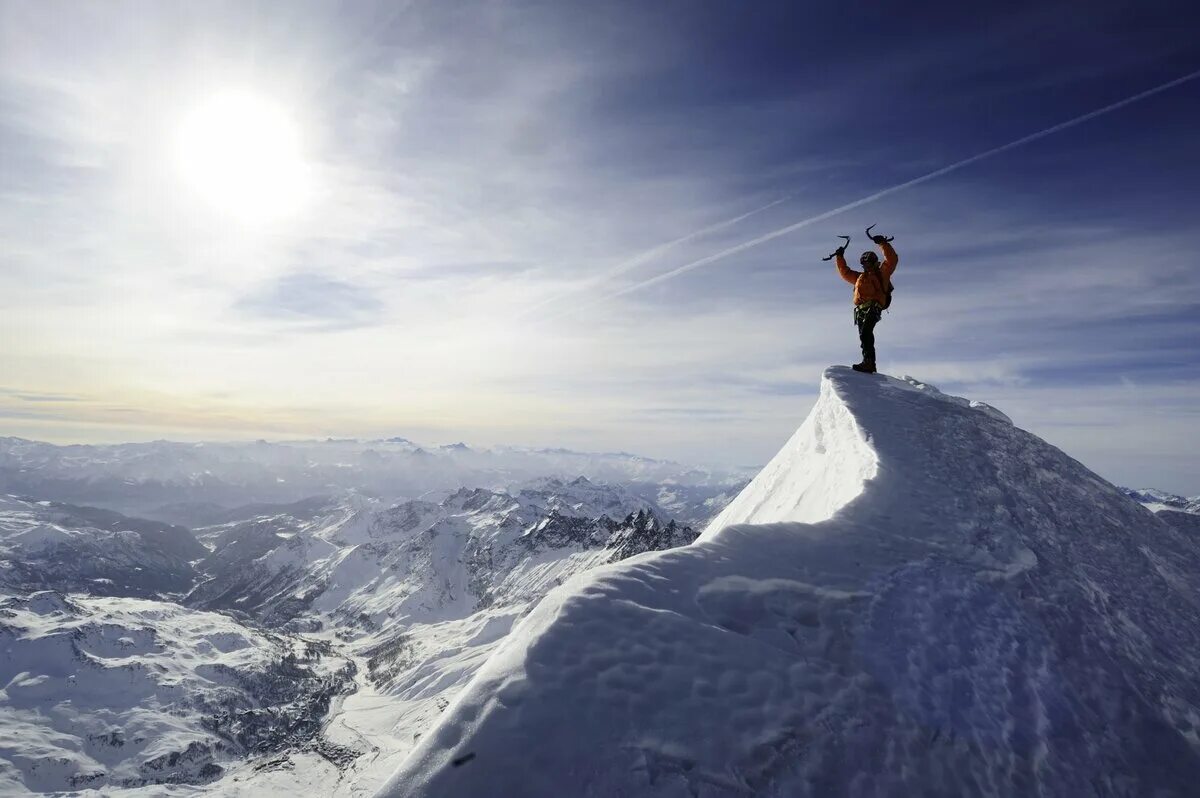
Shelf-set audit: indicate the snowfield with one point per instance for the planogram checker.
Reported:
(107, 693)
(915, 598)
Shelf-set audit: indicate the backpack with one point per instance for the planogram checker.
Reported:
(887, 289)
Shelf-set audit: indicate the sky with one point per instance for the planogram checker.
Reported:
(467, 221)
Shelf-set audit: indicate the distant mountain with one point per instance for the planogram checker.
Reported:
(206, 514)
(1161, 500)
(48, 545)
(193, 483)
(693, 505)
(356, 563)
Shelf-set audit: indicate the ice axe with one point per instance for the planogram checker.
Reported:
(840, 250)
(885, 238)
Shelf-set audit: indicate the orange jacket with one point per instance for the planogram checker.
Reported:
(866, 287)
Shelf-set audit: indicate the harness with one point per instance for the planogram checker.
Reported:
(867, 311)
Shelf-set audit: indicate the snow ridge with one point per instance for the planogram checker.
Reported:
(823, 467)
(970, 612)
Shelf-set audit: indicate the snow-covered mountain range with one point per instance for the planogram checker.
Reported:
(357, 563)
(1161, 500)
(914, 598)
(84, 549)
(197, 484)
(310, 643)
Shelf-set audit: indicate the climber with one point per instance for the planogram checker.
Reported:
(872, 292)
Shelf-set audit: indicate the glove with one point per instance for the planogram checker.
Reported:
(840, 251)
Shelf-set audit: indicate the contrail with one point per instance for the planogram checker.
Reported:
(650, 254)
(687, 267)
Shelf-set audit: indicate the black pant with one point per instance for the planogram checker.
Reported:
(866, 319)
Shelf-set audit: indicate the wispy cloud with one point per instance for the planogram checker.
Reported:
(907, 184)
(314, 302)
(33, 396)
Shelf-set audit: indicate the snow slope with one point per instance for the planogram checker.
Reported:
(823, 466)
(945, 605)
(1183, 521)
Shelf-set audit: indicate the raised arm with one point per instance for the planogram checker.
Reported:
(848, 274)
(890, 258)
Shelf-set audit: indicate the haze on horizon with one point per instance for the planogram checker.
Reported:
(282, 220)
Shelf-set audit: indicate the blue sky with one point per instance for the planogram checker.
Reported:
(446, 213)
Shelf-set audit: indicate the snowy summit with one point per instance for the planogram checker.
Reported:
(915, 597)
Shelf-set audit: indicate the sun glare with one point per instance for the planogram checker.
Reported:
(242, 154)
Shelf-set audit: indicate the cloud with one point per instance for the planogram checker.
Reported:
(314, 301)
(33, 396)
(483, 173)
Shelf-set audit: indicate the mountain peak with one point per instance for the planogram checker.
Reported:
(828, 460)
(913, 597)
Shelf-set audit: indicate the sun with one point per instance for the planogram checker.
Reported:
(242, 154)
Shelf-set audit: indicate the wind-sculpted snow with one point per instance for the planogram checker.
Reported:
(976, 614)
(818, 471)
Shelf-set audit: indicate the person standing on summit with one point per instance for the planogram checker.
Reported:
(872, 292)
